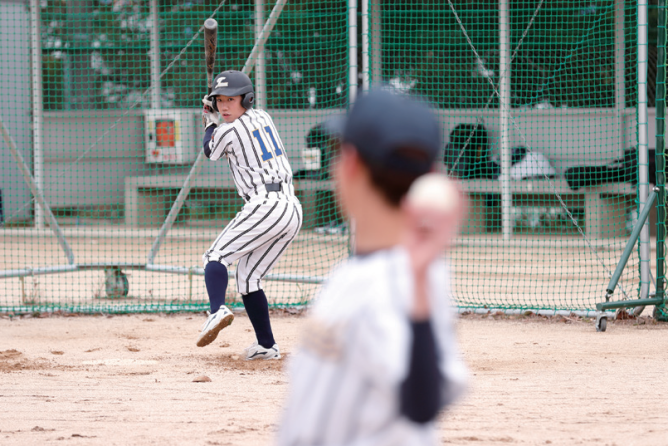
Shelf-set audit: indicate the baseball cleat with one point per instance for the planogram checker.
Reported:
(213, 325)
(256, 351)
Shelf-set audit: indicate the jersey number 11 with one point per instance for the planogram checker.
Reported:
(266, 154)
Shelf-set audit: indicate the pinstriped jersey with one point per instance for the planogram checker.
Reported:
(346, 376)
(254, 151)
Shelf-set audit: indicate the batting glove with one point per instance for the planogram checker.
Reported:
(209, 115)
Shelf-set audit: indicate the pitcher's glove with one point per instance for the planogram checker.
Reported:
(209, 115)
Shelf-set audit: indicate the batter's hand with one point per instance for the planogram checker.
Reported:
(209, 115)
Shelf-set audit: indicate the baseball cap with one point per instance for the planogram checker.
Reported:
(381, 124)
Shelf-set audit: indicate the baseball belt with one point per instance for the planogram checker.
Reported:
(271, 187)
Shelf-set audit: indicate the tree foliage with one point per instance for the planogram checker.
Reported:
(96, 53)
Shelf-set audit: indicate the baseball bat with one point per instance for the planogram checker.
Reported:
(210, 44)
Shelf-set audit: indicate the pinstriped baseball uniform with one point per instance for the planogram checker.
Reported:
(272, 215)
(254, 151)
(346, 376)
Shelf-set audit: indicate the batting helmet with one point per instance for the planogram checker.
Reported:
(233, 83)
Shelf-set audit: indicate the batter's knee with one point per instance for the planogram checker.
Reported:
(213, 257)
(215, 268)
(246, 286)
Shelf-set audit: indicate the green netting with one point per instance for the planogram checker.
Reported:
(111, 134)
(660, 311)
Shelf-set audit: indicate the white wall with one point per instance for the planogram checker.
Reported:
(568, 137)
(15, 103)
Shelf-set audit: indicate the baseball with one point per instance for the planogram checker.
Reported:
(434, 191)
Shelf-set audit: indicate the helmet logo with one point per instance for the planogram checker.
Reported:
(220, 83)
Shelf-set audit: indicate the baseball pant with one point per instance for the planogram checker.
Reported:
(257, 237)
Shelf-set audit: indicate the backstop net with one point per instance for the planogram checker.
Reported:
(107, 206)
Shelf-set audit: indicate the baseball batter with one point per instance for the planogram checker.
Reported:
(378, 360)
(270, 219)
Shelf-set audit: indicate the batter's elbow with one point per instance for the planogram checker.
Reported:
(206, 142)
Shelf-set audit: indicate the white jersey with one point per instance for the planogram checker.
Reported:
(263, 229)
(254, 151)
(346, 376)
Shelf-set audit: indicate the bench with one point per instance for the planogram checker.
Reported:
(149, 198)
(605, 207)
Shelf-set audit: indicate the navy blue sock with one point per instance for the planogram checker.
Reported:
(215, 277)
(258, 313)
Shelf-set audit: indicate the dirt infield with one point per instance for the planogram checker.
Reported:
(120, 380)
